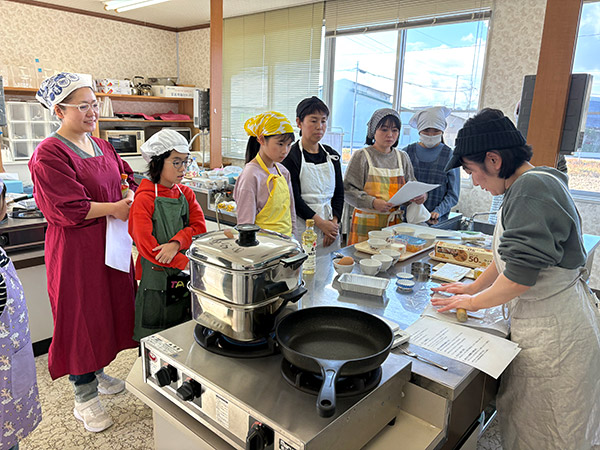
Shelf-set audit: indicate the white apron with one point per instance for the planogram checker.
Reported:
(549, 396)
(317, 186)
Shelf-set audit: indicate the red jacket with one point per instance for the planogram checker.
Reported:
(140, 223)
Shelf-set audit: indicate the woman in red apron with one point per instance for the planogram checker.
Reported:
(77, 185)
(374, 174)
(550, 394)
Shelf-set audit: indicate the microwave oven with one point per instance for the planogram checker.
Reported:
(125, 142)
(186, 132)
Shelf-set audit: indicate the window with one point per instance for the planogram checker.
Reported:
(271, 61)
(584, 165)
(403, 63)
(363, 82)
(443, 66)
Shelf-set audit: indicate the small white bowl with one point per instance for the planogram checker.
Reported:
(376, 244)
(386, 261)
(342, 268)
(404, 229)
(429, 238)
(370, 266)
(399, 247)
(386, 235)
(404, 276)
(395, 254)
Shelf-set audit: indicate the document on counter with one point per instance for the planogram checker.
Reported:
(411, 190)
(488, 353)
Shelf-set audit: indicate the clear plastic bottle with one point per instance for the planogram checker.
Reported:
(124, 185)
(193, 169)
(309, 243)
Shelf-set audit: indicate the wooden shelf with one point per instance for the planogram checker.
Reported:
(116, 119)
(138, 98)
(185, 105)
(19, 90)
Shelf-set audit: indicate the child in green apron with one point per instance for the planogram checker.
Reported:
(164, 217)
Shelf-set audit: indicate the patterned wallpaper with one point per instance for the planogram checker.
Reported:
(109, 49)
(513, 51)
(194, 57)
(79, 43)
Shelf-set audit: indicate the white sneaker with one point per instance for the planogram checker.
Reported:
(109, 385)
(93, 416)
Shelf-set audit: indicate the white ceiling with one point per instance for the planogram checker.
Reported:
(182, 13)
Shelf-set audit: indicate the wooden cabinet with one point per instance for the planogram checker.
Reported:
(133, 104)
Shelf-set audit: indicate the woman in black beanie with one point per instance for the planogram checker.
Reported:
(550, 394)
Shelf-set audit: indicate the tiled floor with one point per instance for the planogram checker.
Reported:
(133, 420)
(60, 430)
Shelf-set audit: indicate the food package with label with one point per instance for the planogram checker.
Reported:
(115, 90)
(413, 244)
(173, 91)
(463, 255)
(114, 83)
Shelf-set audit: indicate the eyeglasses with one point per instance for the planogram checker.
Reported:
(83, 107)
(178, 164)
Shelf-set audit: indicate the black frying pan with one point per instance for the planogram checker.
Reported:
(333, 341)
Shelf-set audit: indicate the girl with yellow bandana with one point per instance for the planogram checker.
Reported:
(263, 190)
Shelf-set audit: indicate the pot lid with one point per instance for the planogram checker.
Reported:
(248, 247)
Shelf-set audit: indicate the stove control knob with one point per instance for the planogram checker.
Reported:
(166, 375)
(189, 390)
(259, 437)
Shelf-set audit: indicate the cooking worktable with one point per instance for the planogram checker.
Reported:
(467, 390)
(440, 409)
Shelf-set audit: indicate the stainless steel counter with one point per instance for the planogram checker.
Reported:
(404, 309)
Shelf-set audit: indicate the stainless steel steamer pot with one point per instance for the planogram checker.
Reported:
(240, 284)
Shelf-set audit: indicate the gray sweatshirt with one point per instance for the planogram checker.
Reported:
(358, 170)
(541, 227)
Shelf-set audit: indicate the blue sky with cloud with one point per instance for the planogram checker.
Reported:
(443, 64)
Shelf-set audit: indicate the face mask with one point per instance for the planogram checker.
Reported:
(430, 141)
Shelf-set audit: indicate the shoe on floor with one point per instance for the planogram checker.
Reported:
(109, 385)
(93, 415)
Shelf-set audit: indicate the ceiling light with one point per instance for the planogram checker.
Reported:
(127, 5)
(114, 4)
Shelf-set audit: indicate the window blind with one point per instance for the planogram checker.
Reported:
(271, 61)
(343, 16)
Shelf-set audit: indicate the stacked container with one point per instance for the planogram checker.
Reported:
(28, 123)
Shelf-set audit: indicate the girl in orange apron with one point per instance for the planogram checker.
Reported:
(263, 190)
(374, 175)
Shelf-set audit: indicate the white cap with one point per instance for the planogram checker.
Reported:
(434, 117)
(164, 141)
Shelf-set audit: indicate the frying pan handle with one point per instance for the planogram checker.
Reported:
(326, 399)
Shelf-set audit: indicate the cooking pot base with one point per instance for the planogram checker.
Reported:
(216, 342)
(349, 386)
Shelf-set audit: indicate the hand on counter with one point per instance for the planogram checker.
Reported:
(462, 298)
